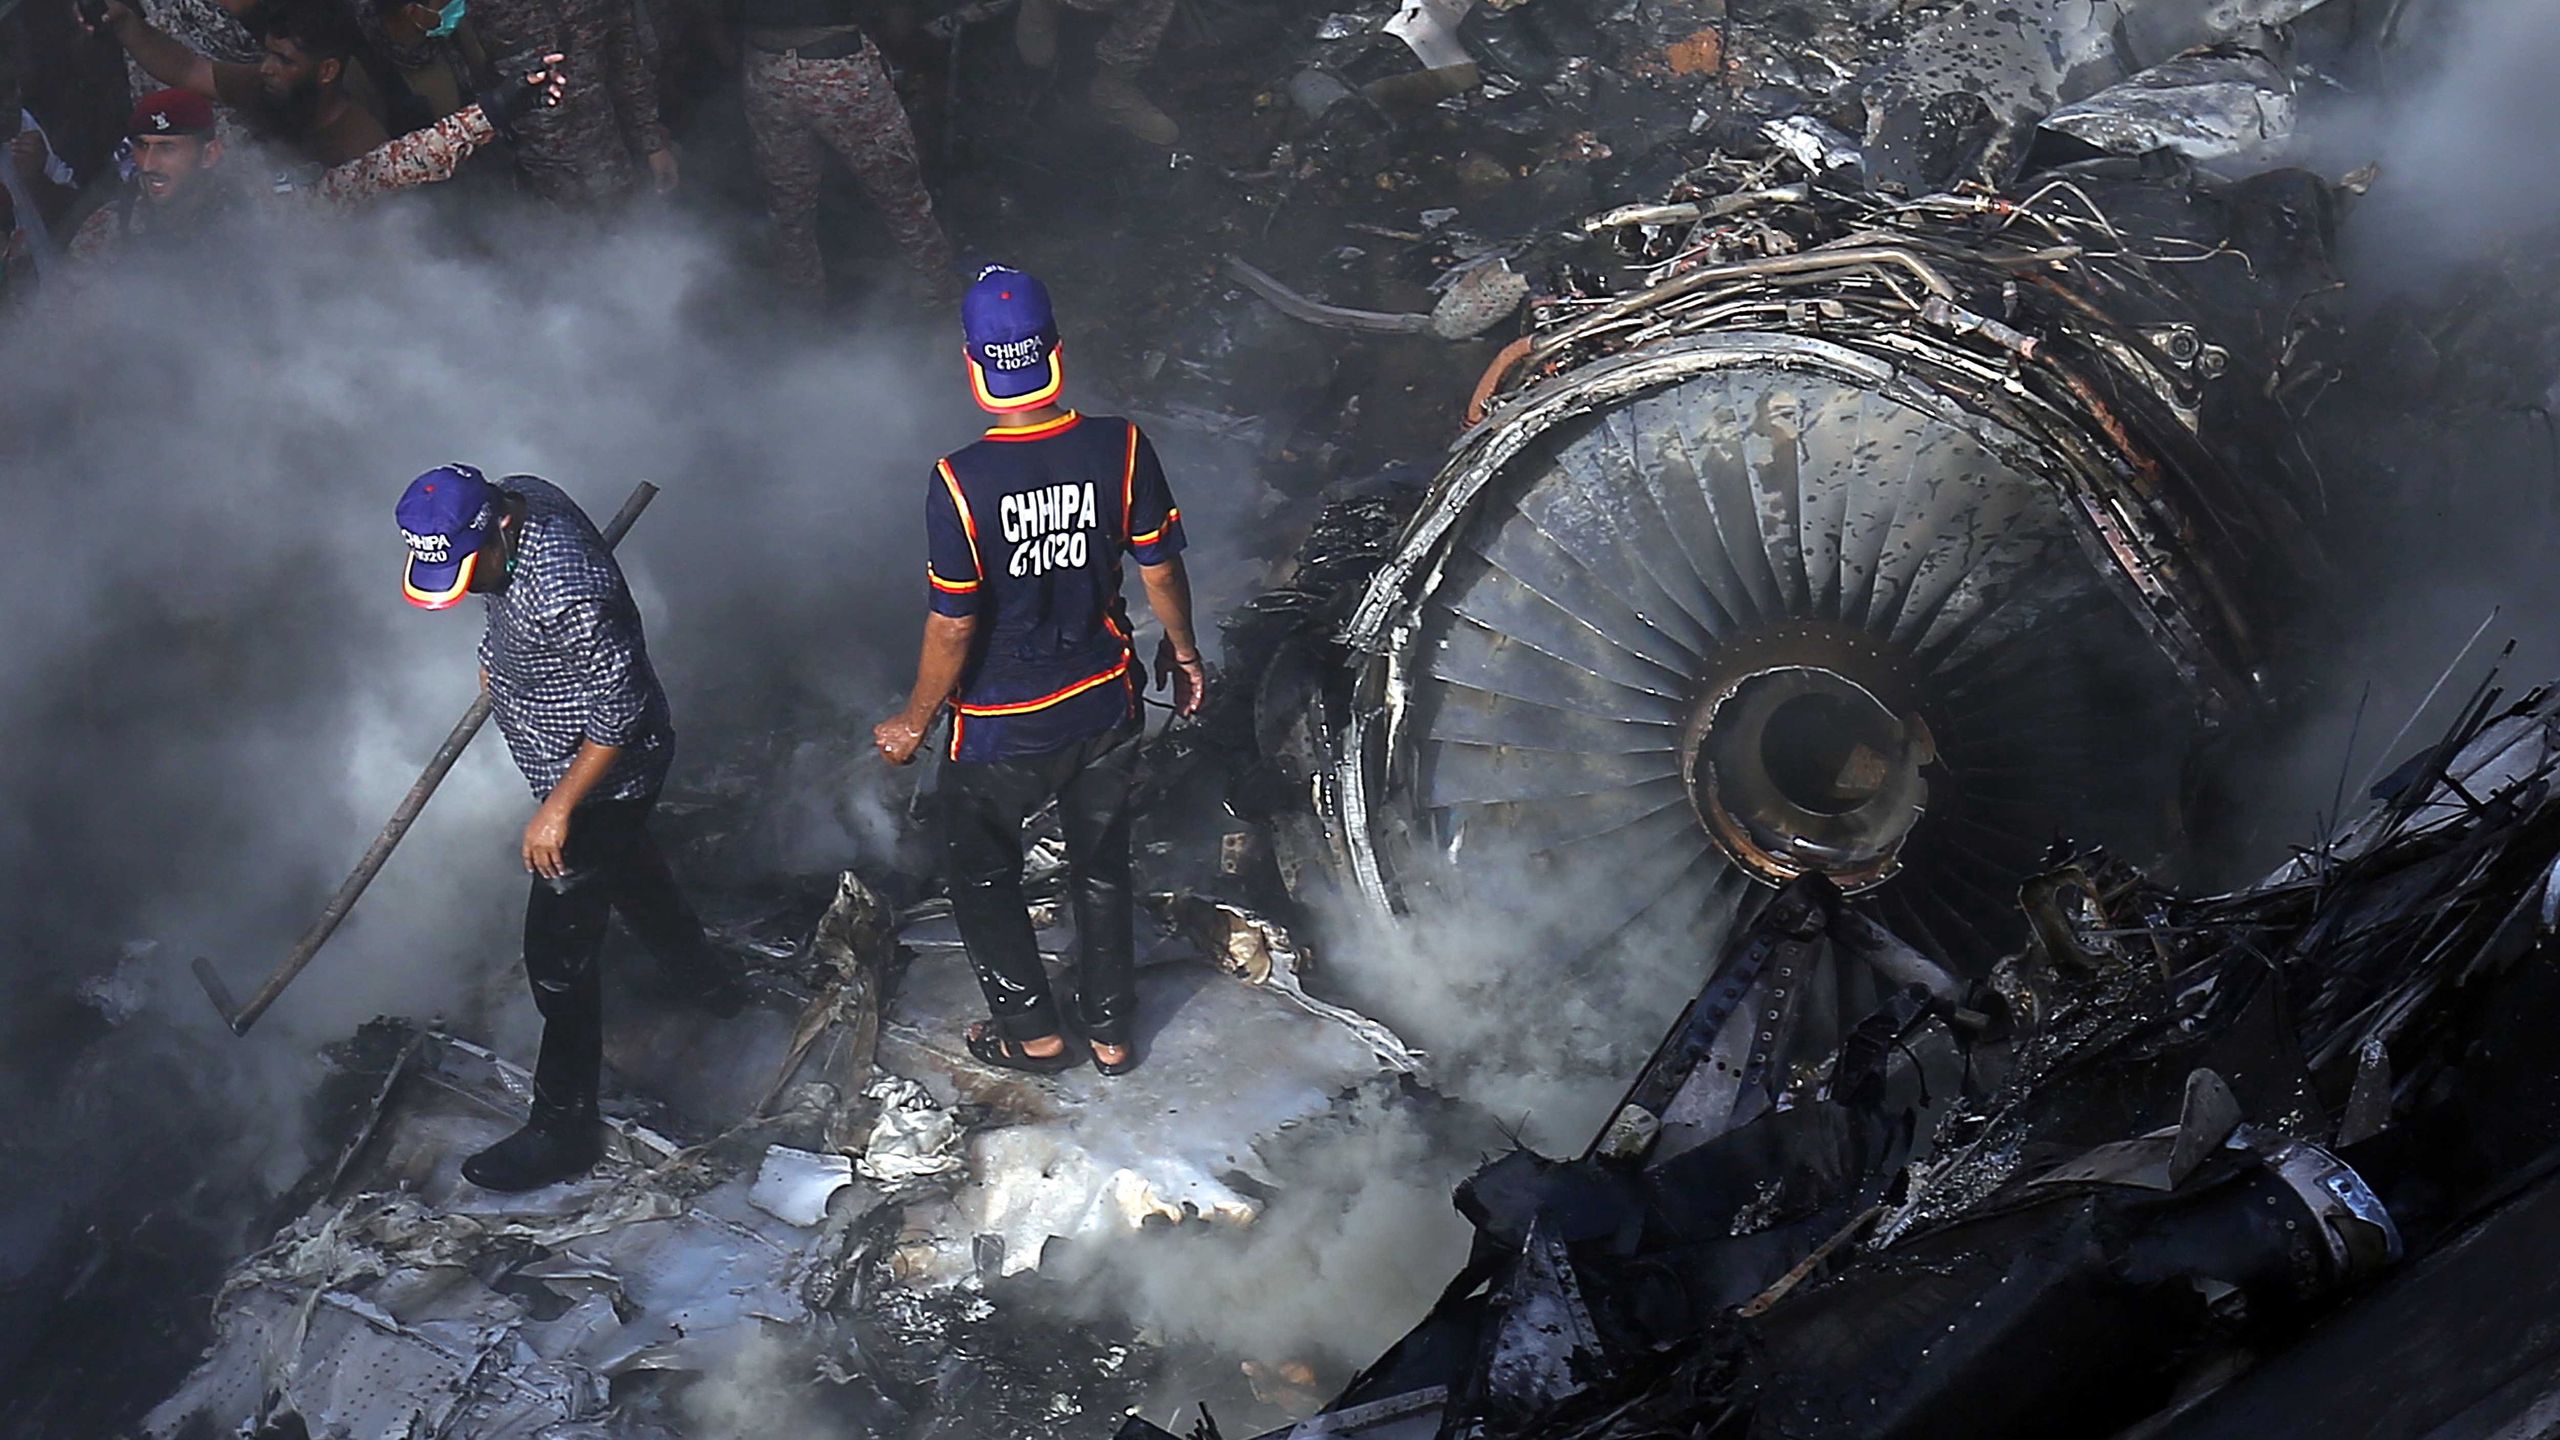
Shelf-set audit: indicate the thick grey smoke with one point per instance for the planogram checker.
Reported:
(214, 691)
(2437, 448)
(2460, 118)
(211, 693)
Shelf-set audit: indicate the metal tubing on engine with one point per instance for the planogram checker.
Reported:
(375, 855)
(1808, 262)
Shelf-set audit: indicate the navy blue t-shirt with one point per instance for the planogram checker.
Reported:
(1025, 530)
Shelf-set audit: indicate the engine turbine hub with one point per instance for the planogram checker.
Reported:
(1804, 754)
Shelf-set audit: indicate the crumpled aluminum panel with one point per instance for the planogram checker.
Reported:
(2027, 58)
(2218, 107)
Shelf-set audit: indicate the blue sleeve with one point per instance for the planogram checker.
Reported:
(951, 539)
(1155, 522)
(605, 640)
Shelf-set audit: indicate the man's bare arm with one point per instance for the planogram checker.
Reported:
(1178, 660)
(546, 836)
(169, 61)
(946, 653)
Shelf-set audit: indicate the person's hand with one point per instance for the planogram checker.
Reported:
(898, 738)
(512, 99)
(1188, 676)
(546, 841)
(103, 17)
(663, 170)
(550, 82)
(27, 153)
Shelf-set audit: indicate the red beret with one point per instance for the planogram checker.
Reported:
(171, 112)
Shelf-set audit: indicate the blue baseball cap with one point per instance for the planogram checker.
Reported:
(1012, 340)
(446, 516)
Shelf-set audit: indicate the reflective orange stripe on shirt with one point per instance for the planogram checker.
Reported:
(968, 523)
(1024, 707)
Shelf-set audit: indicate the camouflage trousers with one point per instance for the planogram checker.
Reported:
(1136, 27)
(798, 108)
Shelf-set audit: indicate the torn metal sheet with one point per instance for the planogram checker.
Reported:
(1430, 29)
(912, 1139)
(2227, 107)
(2020, 62)
(795, 1185)
(1816, 146)
(1544, 1348)
(813, 1022)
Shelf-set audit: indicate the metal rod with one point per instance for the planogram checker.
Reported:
(2383, 762)
(335, 912)
(1315, 312)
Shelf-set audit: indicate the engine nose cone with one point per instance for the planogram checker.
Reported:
(1799, 769)
(1805, 752)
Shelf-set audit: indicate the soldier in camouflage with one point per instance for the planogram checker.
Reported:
(816, 82)
(595, 145)
(1124, 50)
(181, 190)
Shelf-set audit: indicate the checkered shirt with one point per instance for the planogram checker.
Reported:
(565, 656)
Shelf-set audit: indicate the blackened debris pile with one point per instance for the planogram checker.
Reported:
(2188, 1165)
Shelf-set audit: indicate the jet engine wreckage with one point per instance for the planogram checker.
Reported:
(1868, 537)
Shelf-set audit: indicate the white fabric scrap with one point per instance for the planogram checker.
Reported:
(913, 1138)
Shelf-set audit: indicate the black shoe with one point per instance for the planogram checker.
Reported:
(1501, 40)
(544, 1152)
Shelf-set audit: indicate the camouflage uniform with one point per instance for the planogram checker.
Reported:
(794, 106)
(587, 148)
(1136, 27)
(421, 157)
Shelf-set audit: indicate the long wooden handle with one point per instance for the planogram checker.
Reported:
(335, 912)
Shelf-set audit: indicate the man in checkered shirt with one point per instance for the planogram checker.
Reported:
(570, 686)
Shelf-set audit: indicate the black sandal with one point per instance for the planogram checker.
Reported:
(988, 1047)
(1108, 1068)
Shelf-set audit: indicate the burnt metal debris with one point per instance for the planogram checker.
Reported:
(2177, 1167)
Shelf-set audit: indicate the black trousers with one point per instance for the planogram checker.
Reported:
(984, 804)
(614, 865)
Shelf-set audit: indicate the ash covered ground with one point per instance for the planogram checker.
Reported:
(212, 696)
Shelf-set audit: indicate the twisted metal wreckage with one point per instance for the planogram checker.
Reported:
(2275, 1162)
